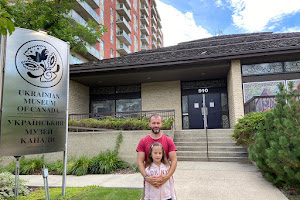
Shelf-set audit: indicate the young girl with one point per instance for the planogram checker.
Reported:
(157, 165)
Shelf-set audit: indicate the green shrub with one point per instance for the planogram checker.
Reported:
(276, 149)
(56, 167)
(80, 167)
(7, 186)
(246, 127)
(27, 166)
(106, 162)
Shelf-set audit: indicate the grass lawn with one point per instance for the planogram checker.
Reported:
(90, 192)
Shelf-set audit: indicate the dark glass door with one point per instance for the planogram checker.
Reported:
(213, 104)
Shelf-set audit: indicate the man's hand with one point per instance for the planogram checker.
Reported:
(155, 181)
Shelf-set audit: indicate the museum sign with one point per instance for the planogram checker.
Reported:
(35, 74)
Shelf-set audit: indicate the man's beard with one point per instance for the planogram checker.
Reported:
(155, 131)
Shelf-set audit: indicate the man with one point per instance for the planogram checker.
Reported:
(144, 146)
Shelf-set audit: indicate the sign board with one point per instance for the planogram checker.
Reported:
(34, 93)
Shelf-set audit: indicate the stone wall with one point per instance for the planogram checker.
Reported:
(92, 143)
(235, 93)
(79, 98)
(163, 96)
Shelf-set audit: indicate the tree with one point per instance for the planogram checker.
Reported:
(53, 17)
(276, 149)
(6, 25)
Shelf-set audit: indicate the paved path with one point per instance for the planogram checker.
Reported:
(193, 181)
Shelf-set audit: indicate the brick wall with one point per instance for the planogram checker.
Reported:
(79, 98)
(163, 96)
(235, 93)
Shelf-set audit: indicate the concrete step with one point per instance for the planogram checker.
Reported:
(212, 148)
(201, 144)
(203, 139)
(211, 154)
(215, 159)
(202, 132)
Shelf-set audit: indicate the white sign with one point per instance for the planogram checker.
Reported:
(196, 105)
(34, 93)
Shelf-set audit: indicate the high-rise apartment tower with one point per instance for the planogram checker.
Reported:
(132, 25)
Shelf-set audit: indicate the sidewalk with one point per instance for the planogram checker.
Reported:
(193, 181)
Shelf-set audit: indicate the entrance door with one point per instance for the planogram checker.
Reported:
(213, 104)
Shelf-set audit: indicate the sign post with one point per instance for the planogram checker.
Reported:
(35, 86)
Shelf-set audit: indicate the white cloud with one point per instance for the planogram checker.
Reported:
(218, 3)
(291, 29)
(177, 26)
(255, 15)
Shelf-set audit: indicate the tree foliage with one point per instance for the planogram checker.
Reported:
(6, 25)
(276, 149)
(53, 17)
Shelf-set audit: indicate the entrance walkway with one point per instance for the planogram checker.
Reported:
(193, 181)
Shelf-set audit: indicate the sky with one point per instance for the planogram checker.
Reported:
(186, 20)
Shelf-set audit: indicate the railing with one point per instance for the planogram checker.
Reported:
(123, 33)
(123, 46)
(90, 10)
(93, 51)
(77, 17)
(165, 114)
(259, 104)
(145, 38)
(122, 19)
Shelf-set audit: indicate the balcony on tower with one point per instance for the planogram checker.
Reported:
(145, 2)
(123, 49)
(144, 47)
(158, 23)
(93, 3)
(159, 32)
(144, 30)
(153, 21)
(154, 46)
(123, 11)
(144, 20)
(126, 3)
(154, 38)
(123, 24)
(154, 30)
(145, 40)
(144, 10)
(92, 53)
(159, 40)
(123, 37)
(153, 10)
(86, 11)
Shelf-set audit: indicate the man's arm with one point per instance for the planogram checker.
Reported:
(173, 158)
(141, 166)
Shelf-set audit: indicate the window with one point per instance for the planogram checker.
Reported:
(102, 45)
(101, 57)
(135, 5)
(136, 44)
(111, 53)
(111, 11)
(102, 14)
(112, 38)
(116, 99)
(136, 24)
(262, 68)
(102, 2)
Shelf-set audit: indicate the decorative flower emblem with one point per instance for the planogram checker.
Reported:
(40, 64)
